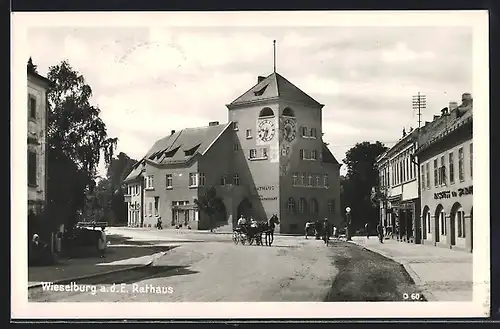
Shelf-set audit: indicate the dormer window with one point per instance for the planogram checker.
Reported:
(261, 91)
(171, 153)
(192, 150)
(288, 112)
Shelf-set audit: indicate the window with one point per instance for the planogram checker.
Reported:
(294, 179)
(451, 168)
(427, 175)
(169, 180)
(461, 164)
(302, 178)
(422, 177)
(331, 205)
(236, 147)
(201, 179)
(436, 174)
(236, 180)
(32, 168)
(302, 205)
(400, 171)
(266, 112)
(235, 125)
(157, 206)
(304, 131)
(313, 132)
(314, 206)
(129, 189)
(253, 153)
(223, 180)
(291, 206)
(325, 180)
(249, 133)
(288, 112)
(309, 180)
(314, 155)
(32, 107)
(471, 159)
(442, 172)
(193, 179)
(301, 154)
(442, 221)
(263, 152)
(460, 220)
(315, 181)
(149, 182)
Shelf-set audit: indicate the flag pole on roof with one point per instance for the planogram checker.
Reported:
(274, 50)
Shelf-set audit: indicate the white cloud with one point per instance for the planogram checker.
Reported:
(401, 53)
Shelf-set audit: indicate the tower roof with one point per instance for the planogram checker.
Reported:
(274, 87)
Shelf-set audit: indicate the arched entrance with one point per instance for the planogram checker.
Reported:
(426, 222)
(439, 223)
(245, 208)
(457, 223)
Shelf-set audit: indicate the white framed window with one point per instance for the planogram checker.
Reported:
(169, 180)
(326, 183)
(253, 153)
(451, 168)
(309, 180)
(149, 182)
(291, 206)
(313, 133)
(294, 179)
(263, 152)
(301, 152)
(442, 174)
(427, 176)
(302, 205)
(302, 179)
(249, 133)
(436, 173)
(471, 159)
(317, 180)
(236, 179)
(235, 126)
(304, 131)
(32, 107)
(314, 155)
(201, 180)
(461, 175)
(193, 179)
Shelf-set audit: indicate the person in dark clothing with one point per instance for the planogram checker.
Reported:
(380, 232)
(366, 231)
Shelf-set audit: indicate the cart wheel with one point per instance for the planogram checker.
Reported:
(250, 241)
(236, 239)
(243, 240)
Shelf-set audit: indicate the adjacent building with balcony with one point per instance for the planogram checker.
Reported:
(446, 166)
(268, 159)
(37, 140)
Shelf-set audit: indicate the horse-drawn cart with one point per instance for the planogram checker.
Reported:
(254, 233)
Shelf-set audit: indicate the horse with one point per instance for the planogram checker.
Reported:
(270, 226)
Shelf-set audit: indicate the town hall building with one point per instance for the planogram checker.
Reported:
(268, 159)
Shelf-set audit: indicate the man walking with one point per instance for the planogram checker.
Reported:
(101, 243)
(366, 231)
(380, 232)
(307, 228)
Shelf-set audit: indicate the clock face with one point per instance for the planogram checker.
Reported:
(289, 130)
(266, 130)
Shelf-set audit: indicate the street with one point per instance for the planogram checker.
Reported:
(209, 268)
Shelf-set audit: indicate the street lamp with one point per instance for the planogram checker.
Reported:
(348, 218)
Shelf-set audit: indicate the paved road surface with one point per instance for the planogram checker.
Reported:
(209, 268)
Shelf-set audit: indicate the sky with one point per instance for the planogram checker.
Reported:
(149, 81)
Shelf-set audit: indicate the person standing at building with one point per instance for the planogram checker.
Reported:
(307, 228)
(380, 232)
(102, 243)
(366, 231)
(334, 232)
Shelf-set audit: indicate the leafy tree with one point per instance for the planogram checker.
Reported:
(362, 176)
(77, 138)
(210, 204)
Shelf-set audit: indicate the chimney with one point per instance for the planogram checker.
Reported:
(172, 132)
(213, 123)
(444, 112)
(260, 79)
(426, 123)
(452, 106)
(466, 99)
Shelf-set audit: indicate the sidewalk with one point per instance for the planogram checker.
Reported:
(441, 274)
(118, 258)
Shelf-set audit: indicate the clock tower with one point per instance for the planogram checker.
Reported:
(278, 136)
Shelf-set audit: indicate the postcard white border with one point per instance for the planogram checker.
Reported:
(479, 307)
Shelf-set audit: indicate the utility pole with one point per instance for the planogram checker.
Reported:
(274, 56)
(419, 103)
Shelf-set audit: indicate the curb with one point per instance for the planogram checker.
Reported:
(414, 276)
(96, 275)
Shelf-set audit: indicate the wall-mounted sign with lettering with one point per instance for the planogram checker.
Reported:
(265, 198)
(265, 188)
(453, 194)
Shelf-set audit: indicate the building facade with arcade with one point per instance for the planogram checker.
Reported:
(269, 158)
